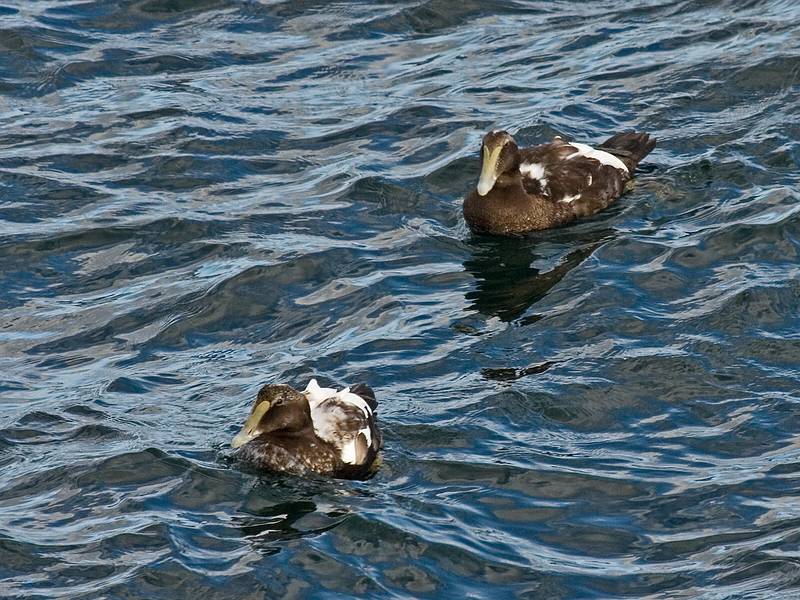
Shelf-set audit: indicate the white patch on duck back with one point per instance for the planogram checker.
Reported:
(603, 157)
(570, 198)
(347, 396)
(350, 398)
(350, 452)
(534, 171)
(317, 394)
(327, 419)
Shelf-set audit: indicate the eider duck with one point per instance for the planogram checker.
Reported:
(318, 430)
(528, 189)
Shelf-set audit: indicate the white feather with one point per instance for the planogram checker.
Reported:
(350, 398)
(570, 198)
(603, 157)
(325, 427)
(317, 394)
(534, 171)
(348, 453)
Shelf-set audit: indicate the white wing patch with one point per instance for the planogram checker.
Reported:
(570, 198)
(329, 415)
(350, 451)
(603, 157)
(350, 398)
(534, 171)
(347, 396)
(317, 394)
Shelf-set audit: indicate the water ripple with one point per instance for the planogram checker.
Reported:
(197, 198)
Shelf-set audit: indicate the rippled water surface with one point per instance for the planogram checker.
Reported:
(201, 196)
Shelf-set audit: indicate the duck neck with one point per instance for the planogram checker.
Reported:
(509, 179)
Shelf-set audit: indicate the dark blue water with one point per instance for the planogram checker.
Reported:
(200, 197)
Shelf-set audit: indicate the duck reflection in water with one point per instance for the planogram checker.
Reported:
(266, 527)
(510, 276)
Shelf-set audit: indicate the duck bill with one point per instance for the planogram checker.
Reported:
(241, 438)
(250, 430)
(488, 170)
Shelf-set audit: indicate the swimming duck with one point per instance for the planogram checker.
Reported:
(528, 189)
(319, 430)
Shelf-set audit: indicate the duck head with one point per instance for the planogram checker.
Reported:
(499, 155)
(277, 408)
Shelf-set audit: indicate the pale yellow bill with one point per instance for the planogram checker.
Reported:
(488, 170)
(250, 429)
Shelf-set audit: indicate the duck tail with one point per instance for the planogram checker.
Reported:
(630, 147)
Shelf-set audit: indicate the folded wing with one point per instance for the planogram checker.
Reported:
(346, 419)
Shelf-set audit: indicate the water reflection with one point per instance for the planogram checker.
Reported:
(282, 507)
(199, 197)
(513, 274)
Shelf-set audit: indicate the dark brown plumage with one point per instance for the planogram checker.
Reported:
(318, 431)
(524, 190)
